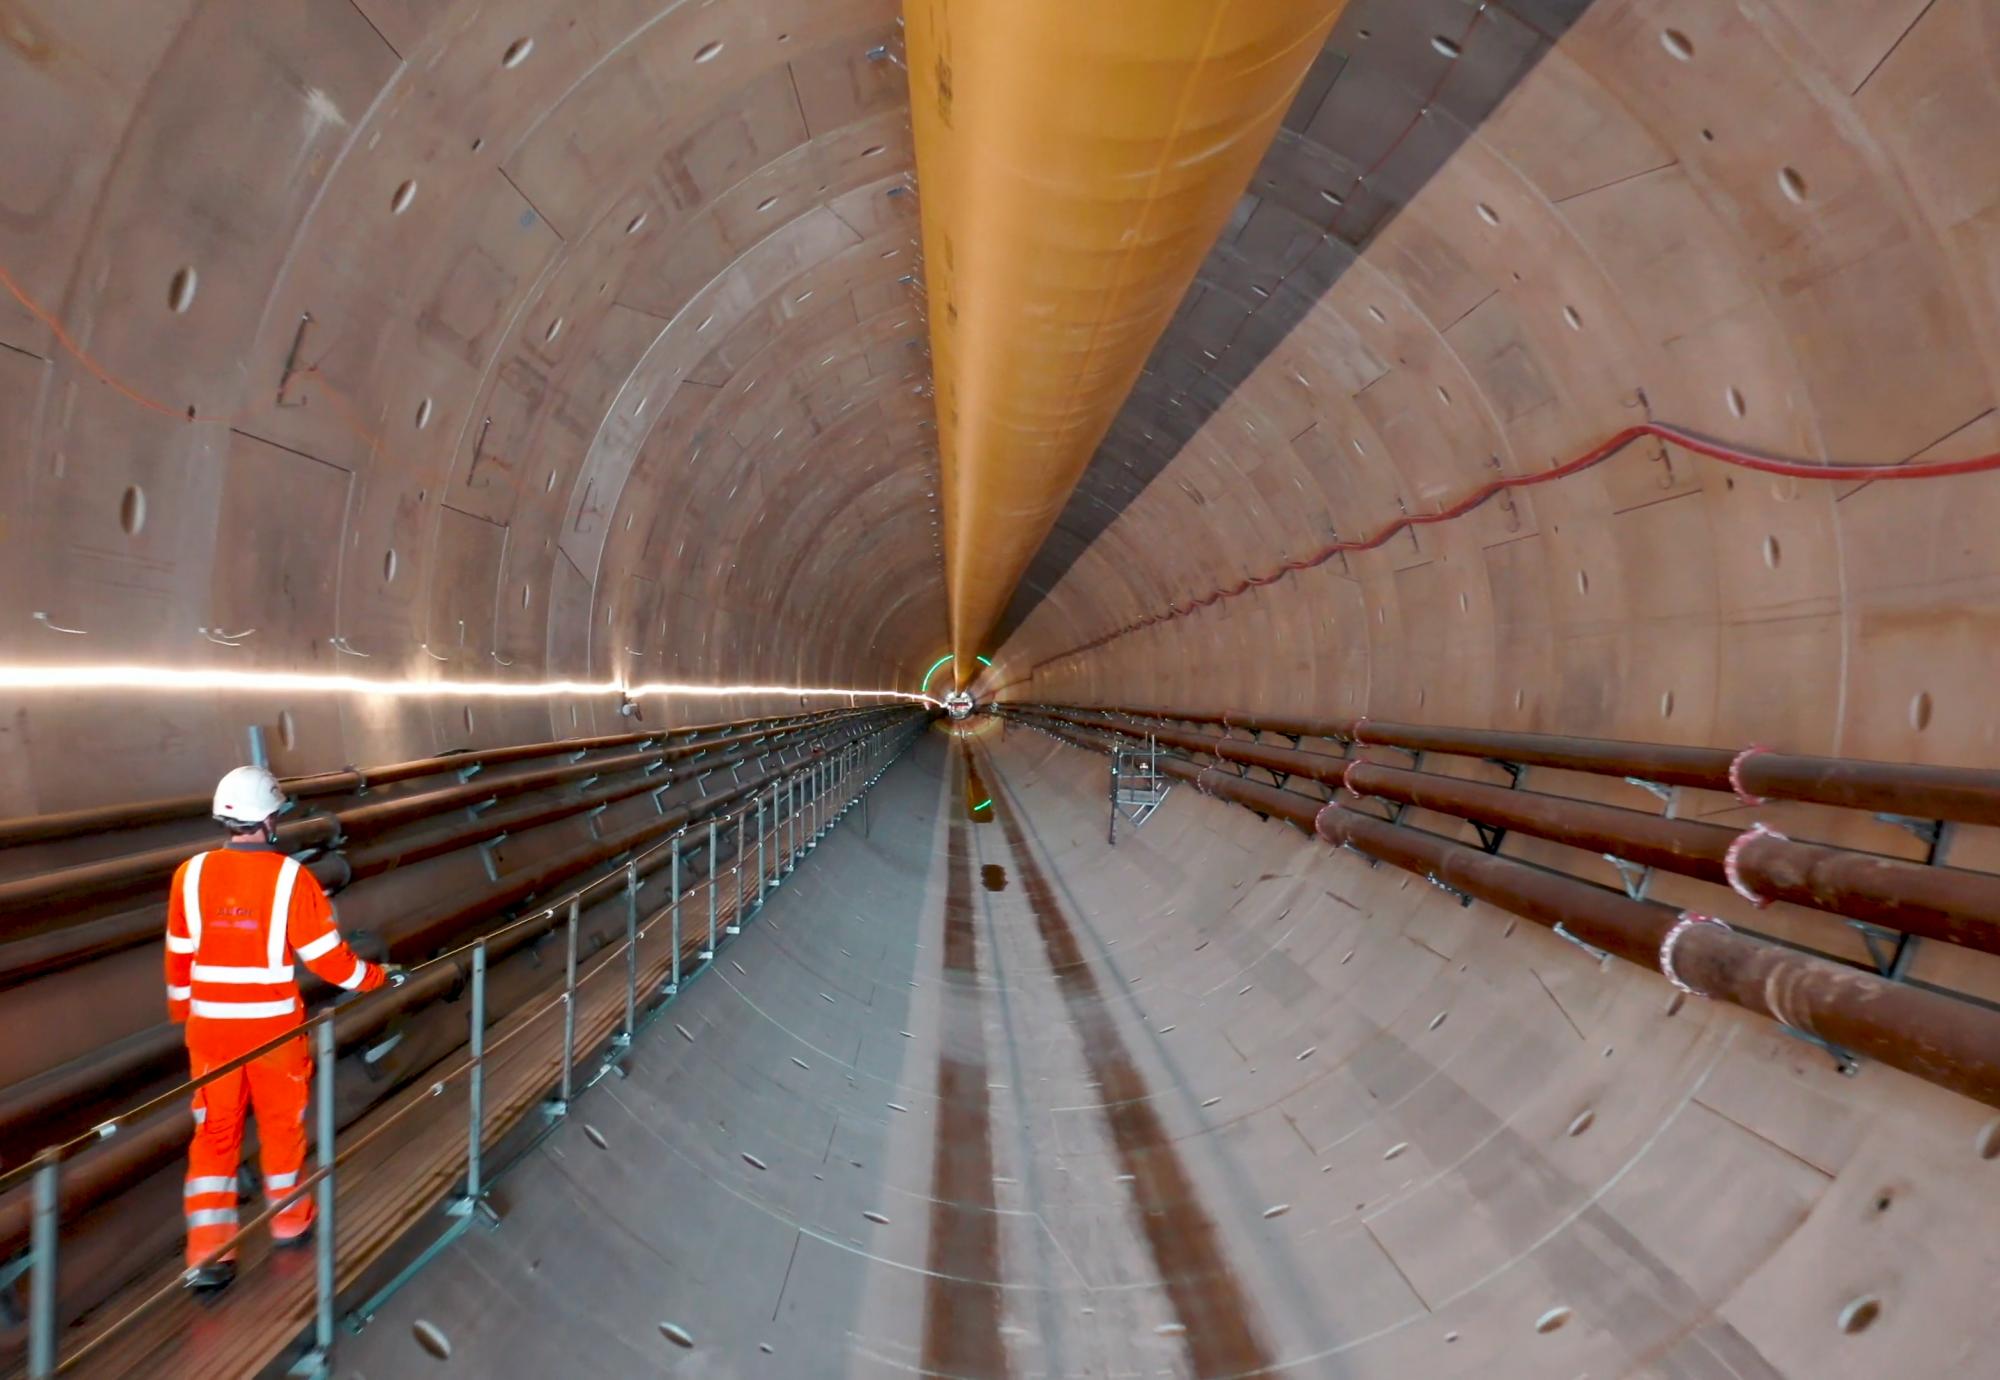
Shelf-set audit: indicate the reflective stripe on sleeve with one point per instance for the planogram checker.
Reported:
(280, 1182)
(326, 943)
(178, 945)
(179, 993)
(244, 1010)
(211, 972)
(213, 1183)
(191, 898)
(213, 1217)
(281, 909)
(357, 977)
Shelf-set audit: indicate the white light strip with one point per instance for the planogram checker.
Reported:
(161, 678)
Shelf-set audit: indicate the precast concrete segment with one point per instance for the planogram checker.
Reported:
(1217, 1319)
(962, 1299)
(1076, 162)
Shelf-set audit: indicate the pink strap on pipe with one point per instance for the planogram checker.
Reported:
(1348, 771)
(1732, 862)
(1736, 773)
(1689, 919)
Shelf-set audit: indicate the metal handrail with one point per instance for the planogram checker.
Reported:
(828, 775)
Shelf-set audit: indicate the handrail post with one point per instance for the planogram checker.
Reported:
(674, 850)
(711, 886)
(42, 1283)
(323, 1244)
(569, 1008)
(631, 953)
(736, 887)
(475, 1131)
(762, 875)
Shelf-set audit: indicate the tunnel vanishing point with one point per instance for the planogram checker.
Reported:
(1386, 613)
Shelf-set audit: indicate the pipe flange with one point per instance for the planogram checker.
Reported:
(1688, 920)
(1736, 773)
(1732, 862)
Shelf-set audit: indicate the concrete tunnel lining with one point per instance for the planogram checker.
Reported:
(615, 366)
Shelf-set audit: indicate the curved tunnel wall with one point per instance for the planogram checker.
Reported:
(616, 343)
(594, 295)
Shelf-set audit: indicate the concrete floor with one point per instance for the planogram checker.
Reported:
(1220, 1102)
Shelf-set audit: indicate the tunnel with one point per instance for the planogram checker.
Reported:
(1203, 688)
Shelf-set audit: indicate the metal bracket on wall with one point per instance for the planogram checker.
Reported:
(475, 811)
(466, 773)
(1638, 880)
(489, 855)
(1599, 954)
(1463, 898)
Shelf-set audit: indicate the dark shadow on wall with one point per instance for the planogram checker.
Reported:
(1399, 86)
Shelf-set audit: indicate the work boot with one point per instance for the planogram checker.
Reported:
(292, 1243)
(212, 1277)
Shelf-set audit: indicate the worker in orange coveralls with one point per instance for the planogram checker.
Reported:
(236, 918)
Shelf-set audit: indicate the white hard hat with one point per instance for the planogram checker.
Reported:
(248, 795)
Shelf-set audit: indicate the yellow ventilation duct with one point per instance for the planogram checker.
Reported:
(1076, 160)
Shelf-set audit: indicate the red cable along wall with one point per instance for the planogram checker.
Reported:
(1597, 455)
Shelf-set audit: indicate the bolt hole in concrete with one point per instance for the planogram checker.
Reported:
(1583, 582)
(677, 1334)
(389, 566)
(517, 52)
(554, 330)
(423, 414)
(431, 1338)
(1438, 1019)
(767, 203)
(636, 224)
(132, 510)
(1793, 184)
(1920, 710)
(181, 288)
(1488, 214)
(1987, 1143)
(405, 194)
(1584, 1120)
(595, 1137)
(1884, 1200)
(1667, 704)
(993, 877)
(1398, 1148)
(1860, 1315)
(708, 52)
(288, 729)
(1674, 1004)
(1553, 1320)
(1676, 42)
(1573, 317)
(1734, 397)
(468, 718)
(1772, 554)
(1445, 47)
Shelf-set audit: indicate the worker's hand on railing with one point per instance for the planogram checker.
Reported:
(394, 975)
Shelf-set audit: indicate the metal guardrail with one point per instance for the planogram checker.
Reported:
(806, 814)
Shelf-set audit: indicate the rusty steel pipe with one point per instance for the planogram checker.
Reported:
(46, 828)
(97, 1174)
(112, 878)
(1920, 792)
(1944, 903)
(1951, 1043)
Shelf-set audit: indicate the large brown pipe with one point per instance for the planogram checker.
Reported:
(96, 1174)
(122, 876)
(1919, 792)
(1945, 903)
(55, 949)
(1951, 1043)
(103, 818)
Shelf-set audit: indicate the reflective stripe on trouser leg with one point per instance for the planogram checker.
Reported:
(209, 1194)
(280, 1085)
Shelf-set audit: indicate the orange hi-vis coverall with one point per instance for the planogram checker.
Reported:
(235, 919)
